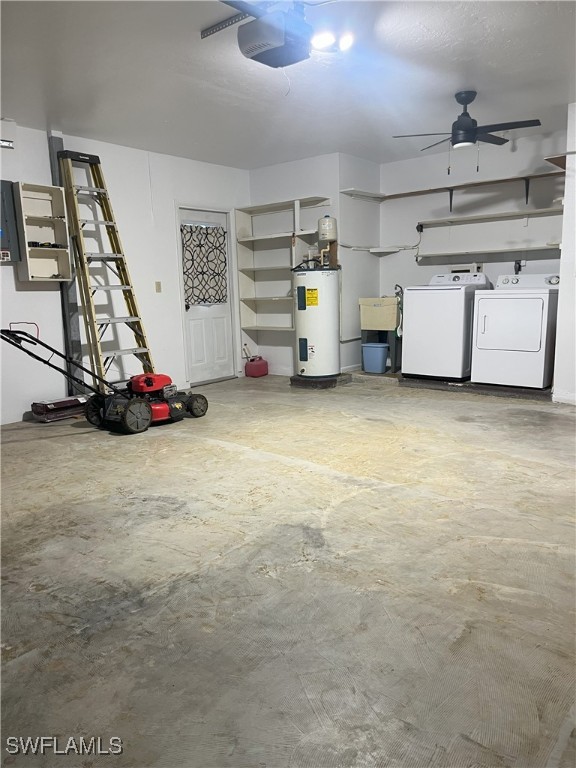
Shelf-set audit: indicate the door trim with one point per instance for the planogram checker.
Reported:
(180, 207)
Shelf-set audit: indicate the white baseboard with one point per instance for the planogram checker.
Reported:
(569, 398)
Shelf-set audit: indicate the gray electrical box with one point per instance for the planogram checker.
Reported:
(10, 245)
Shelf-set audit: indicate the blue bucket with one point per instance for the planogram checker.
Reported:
(374, 357)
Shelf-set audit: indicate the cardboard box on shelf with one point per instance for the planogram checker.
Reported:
(379, 314)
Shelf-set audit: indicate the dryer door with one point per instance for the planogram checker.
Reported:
(510, 323)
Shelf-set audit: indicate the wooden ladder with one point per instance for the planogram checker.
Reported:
(114, 277)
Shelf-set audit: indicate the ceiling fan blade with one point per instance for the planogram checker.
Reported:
(436, 144)
(490, 139)
(508, 126)
(409, 135)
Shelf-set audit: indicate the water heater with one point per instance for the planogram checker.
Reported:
(317, 321)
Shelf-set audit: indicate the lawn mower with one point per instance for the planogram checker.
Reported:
(147, 398)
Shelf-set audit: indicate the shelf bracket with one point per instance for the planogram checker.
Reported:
(451, 196)
(527, 189)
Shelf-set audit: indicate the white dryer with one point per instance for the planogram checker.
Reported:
(514, 331)
(437, 326)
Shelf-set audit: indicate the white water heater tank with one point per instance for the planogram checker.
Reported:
(327, 229)
(317, 321)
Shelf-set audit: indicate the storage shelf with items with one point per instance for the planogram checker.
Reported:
(43, 233)
(271, 240)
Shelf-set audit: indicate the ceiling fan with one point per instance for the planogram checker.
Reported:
(466, 131)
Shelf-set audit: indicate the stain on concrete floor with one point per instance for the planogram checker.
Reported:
(357, 577)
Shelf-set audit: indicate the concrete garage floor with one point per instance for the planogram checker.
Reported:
(360, 577)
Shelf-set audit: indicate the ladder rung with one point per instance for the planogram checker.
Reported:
(104, 256)
(99, 190)
(96, 221)
(110, 288)
(120, 352)
(111, 320)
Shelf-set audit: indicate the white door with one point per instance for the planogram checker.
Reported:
(513, 324)
(207, 301)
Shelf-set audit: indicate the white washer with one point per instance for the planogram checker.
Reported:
(437, 325)
(514, 331)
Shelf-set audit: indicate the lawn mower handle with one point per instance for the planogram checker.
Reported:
(18, 338)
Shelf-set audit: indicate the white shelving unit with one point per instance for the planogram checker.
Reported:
(500, 254)
(271, 240)
(485, 217)
(383, 250)
(380, 197)
(41, 217)
(559, 160)
(545, 251)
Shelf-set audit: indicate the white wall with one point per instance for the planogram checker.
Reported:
(316, 176)
(358, 227)
(23, 379)
(565, 366)
(145, 190)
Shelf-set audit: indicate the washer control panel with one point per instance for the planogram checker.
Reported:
(527, 282)
(461, 278)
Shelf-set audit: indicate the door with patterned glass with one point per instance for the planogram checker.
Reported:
(207, 300)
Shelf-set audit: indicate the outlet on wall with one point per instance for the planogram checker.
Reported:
(158, 285)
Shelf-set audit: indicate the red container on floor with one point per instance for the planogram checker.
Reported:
(256, 366)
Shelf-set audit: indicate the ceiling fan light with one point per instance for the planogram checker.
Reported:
(323, 40)
(462, 144)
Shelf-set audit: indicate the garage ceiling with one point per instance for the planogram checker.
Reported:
(138, 74)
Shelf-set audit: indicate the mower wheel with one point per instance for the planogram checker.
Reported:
(137, 416)
(94, 410)
(197, 405)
